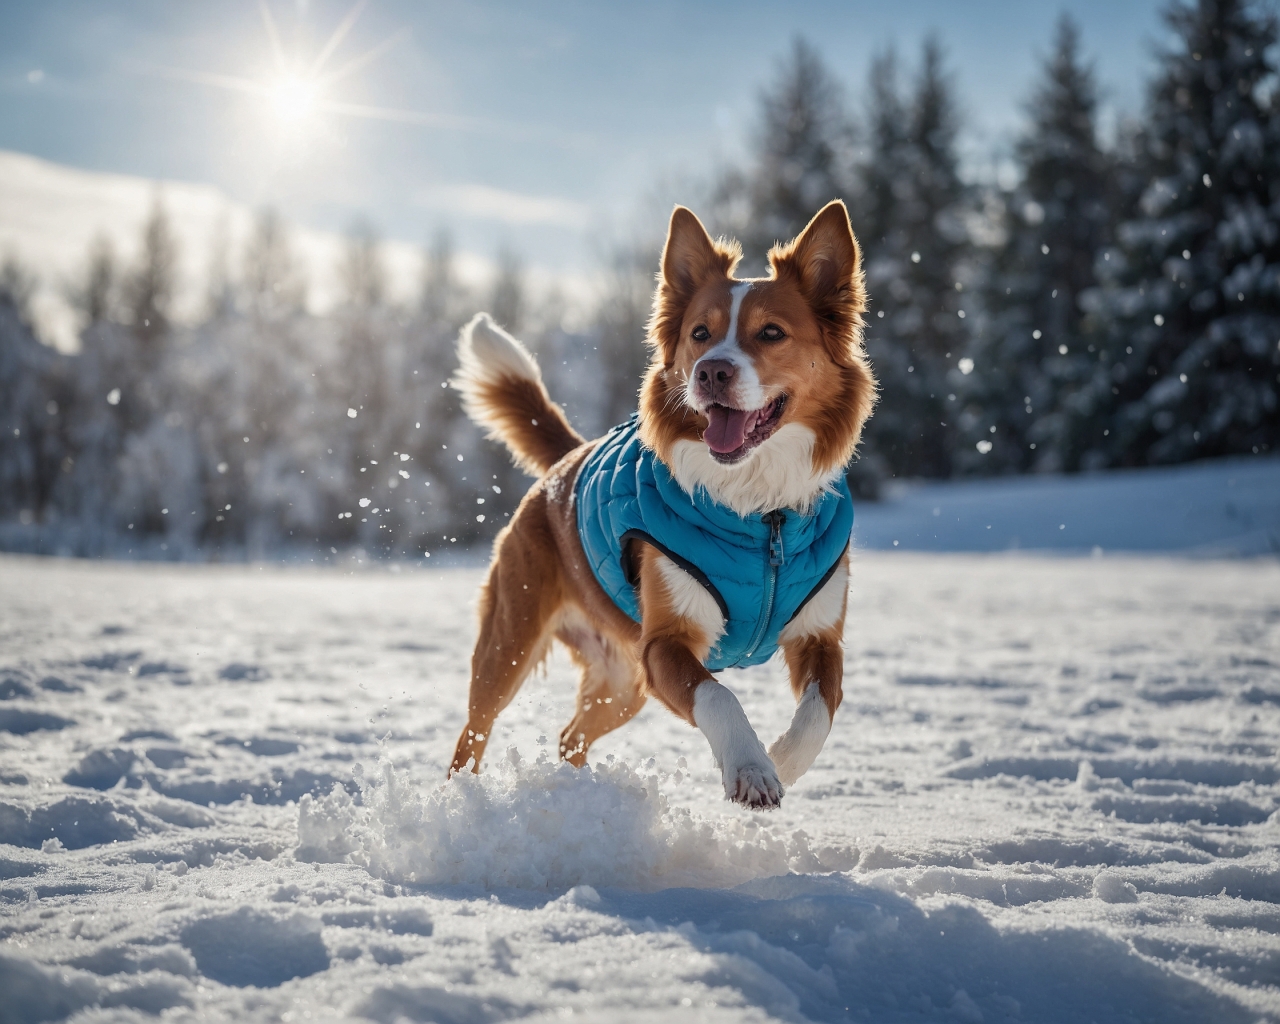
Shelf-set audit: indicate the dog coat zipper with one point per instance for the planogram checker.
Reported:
(776, 558)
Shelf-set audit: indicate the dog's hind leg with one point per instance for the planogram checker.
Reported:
(518, 605)
(609, 692)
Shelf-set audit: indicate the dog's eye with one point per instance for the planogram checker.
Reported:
(771, 332)
(700, 333)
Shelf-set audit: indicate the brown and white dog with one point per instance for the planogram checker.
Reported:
(757, 391)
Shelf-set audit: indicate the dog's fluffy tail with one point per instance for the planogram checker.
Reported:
(502, 390)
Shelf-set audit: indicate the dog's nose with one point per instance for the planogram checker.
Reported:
(714, 375)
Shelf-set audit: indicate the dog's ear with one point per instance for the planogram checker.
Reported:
(825, 262)
(689, 260)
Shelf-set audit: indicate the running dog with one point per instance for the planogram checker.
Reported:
(709, 530)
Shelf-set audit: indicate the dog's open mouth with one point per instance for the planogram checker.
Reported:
(732, 434)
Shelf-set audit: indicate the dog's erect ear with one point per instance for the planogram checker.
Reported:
(824, 260)
(689, 260)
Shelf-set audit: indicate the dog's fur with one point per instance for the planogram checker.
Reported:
(795, 335)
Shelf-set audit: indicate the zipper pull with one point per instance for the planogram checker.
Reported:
(776, 519)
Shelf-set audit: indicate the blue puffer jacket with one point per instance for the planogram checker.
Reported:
(760, 569)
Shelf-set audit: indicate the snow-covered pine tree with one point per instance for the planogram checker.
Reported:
(1034, 347)
(1194, 285)
(915, 243)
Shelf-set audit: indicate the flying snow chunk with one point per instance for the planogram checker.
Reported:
(365, 502)
(966, 366)
(113, 396)
(351, 414)
(983, 447)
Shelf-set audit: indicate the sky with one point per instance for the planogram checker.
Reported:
(544, 128)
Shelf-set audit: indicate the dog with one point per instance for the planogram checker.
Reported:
(710, 530)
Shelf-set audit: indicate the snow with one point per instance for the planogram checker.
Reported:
(1068, 766)
(1050, 795)
(1224, 507)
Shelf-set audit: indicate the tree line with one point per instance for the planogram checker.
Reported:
(263, 429)
(1117, 304)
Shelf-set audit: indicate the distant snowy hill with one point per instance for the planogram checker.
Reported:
(49, 215)
(1227, 507)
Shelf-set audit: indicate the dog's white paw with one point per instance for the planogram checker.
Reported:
(753, 785)
(749, 776)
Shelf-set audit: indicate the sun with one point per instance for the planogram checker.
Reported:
(294, 99)
(301, 93)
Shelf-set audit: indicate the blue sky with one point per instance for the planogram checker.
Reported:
(536, 124)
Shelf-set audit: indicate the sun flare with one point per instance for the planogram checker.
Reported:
(302, 92)
(293, 99)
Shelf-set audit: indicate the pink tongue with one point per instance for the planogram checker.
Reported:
(726, 429)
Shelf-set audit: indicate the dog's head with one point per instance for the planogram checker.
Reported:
(749, 368)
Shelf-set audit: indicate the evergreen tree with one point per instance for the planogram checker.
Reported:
(622, 320)
(1036, 348)
(506, 297)
(443, 298)
(149, 289)
(912, 225)
(31, 404)
(271, 283)
(17, 288)
(1192, 294)
(363, 270)
(94, 296)
(802, 153)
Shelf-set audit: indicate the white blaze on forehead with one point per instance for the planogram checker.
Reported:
(746, 392)
(736, 294)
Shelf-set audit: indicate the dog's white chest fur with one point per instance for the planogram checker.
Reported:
(778, 474)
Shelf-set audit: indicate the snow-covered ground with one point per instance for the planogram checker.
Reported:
(1050, 796)
(1221, 507)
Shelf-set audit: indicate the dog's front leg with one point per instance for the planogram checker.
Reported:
(812, 645)
(676, 633)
